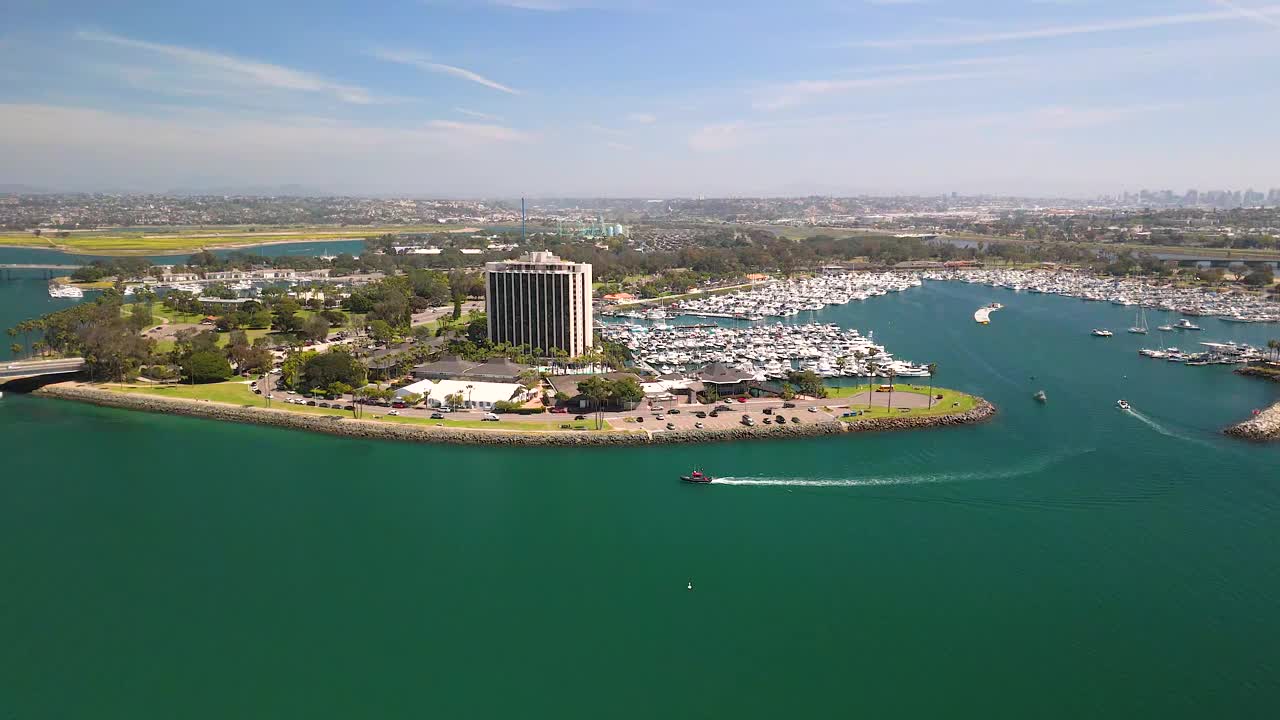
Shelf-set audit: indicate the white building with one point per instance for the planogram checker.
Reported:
(474, 394)
(541, 301)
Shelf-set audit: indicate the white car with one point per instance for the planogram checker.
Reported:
(394, 413)
(490, 417)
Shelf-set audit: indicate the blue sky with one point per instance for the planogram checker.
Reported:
(641, 97)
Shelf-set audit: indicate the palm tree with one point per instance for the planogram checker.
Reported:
(892, 375)
(933, 370)
(469, 395)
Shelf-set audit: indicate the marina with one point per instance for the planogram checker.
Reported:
(764, 352)
(785, 298)
(1234, 306)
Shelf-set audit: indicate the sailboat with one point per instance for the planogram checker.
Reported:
(1140, 323)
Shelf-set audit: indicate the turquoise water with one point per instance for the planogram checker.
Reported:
(1065, 560)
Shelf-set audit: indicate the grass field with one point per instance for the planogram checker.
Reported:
(177, 241)
(235, 392)
(952, 402)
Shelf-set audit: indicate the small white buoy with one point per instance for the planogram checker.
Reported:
(691, 586)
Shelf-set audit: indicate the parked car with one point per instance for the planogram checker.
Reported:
(700, 414)
(322, 404)
(640, 418)
(852, 413)
(768, 411)
(437, 416)
(723, 408)
(788, 405)
(444, 408)
(399, 405)
(671, 426)
(560, 410)
(348, 408)
(715, 413)
(579, 417)
(257, 391)
(393, 413)
(490, 417)
(795, 421)
(812, 408)
(768, 421)
(742, 399)
(673, 411)
(312, 403)
(698, 425)
(746, 420)
(661, 416)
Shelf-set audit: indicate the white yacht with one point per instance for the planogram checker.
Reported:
(1101, 333)
(57, 290)
(1185, 324)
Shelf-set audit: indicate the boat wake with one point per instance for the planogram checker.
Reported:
(921, 479)
(1164, 430)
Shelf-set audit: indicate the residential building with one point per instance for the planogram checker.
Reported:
(541, 301)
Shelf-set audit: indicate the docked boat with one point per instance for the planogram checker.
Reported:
(58, 290)
(1123, 404)
(696, 477)
(1140, 323)
(1101, 333)
(1041, 397)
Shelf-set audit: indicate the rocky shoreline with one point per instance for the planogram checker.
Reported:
(374, 430)
(1260, 428)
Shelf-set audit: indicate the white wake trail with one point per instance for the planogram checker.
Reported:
(922, 479)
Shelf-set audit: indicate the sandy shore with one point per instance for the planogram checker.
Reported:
(370, 429)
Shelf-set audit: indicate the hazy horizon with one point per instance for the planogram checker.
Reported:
(642, 98)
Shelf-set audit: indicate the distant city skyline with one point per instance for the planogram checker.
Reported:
(642, 98)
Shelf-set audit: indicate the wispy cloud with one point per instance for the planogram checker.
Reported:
(1249, 12)
(237, 70)
(602, 130)
(476, 115)
(422, 62)
(721, 137)
(479, 131)
(642, 118)
(618, 146)
(1057, 31)
(803, 91)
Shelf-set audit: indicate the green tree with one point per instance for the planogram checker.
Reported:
(380, 331)
(206, 366)
(315, 328)
(933, 370)
(597, 390)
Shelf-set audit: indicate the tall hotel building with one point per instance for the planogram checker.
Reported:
(540, 300)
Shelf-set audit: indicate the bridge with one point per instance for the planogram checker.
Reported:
(6, 269)
(22, 369)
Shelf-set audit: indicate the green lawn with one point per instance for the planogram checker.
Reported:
(236, 392)
(179, 240)
(964, 402)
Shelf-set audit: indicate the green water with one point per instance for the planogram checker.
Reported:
(1062, 561)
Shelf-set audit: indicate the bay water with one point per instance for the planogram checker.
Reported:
(1064, 560)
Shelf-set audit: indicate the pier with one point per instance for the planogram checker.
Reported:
(49, 270)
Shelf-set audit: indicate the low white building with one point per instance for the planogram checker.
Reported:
(474, 394)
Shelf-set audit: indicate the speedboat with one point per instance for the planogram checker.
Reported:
(1123, 404)
(1101, 333)
(1040, 396)
(1185, 324)
(696, 477)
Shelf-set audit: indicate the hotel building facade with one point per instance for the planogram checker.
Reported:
(541, 301)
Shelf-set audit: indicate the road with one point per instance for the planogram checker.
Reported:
(32, 368)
